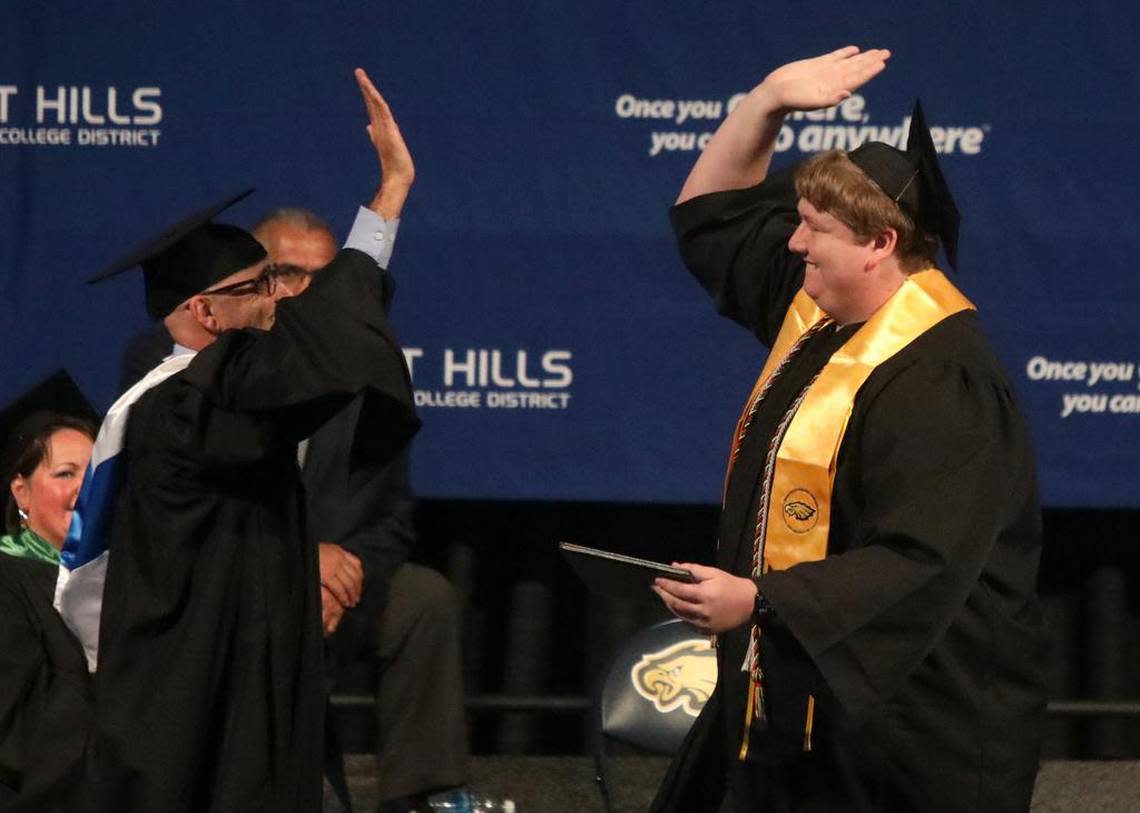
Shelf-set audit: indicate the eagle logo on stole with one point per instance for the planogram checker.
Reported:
(801, 511)
(680, 676)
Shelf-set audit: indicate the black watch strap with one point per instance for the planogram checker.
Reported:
(762, 610)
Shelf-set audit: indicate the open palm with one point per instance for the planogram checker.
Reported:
(823, 81)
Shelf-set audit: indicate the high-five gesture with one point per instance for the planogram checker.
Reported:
(823, 81)
(740, 151)
(398, 171)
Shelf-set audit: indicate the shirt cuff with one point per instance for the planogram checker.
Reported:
(373, 235)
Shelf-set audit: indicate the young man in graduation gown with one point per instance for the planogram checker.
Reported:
(209, 685)
(879, 640)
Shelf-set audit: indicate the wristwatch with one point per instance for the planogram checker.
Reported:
(762, 610)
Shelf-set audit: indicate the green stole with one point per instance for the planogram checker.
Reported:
(29, 545)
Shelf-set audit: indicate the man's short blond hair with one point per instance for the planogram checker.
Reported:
(833, 184)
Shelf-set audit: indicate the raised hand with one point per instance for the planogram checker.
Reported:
(741, 150)
(824, 81)
(398, 170)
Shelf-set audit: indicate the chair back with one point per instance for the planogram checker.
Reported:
(656, 685)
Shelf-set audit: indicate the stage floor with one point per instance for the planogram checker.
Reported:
(565, 784)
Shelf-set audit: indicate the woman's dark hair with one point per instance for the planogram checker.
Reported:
(35, 449)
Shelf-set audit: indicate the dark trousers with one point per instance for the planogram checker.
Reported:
(411, 648)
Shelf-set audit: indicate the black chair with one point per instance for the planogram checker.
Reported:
(651, 692)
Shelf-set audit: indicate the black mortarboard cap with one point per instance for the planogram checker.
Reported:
(189, 257)
(914, 180)
(30, 413)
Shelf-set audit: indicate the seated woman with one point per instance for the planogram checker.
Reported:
(45, 690)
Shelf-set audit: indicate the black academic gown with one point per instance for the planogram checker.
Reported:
(209, 690)
(365, 506)
(919, 634)
(45, 692)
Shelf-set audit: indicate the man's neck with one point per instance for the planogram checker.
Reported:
(886, 283)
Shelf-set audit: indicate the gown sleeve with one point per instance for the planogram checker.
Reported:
(328, 345)
(736, 244)
(944, 474)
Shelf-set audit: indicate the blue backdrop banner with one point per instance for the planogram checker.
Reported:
(558, 347)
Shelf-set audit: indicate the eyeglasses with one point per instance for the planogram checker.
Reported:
(293, 278)
(286, 271)
(263, 284)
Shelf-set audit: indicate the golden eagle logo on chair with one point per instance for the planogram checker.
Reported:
(681, 676)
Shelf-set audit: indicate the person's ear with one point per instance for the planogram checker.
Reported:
(881, 246)
(202, 310)
(19, 489)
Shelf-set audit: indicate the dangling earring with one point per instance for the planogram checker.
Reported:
(23, 517)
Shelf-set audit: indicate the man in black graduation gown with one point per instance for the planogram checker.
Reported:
(880, 645)
(387, 621)
(209, 685)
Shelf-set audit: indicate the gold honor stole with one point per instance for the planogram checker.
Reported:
(799, 513)
(799, 505)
